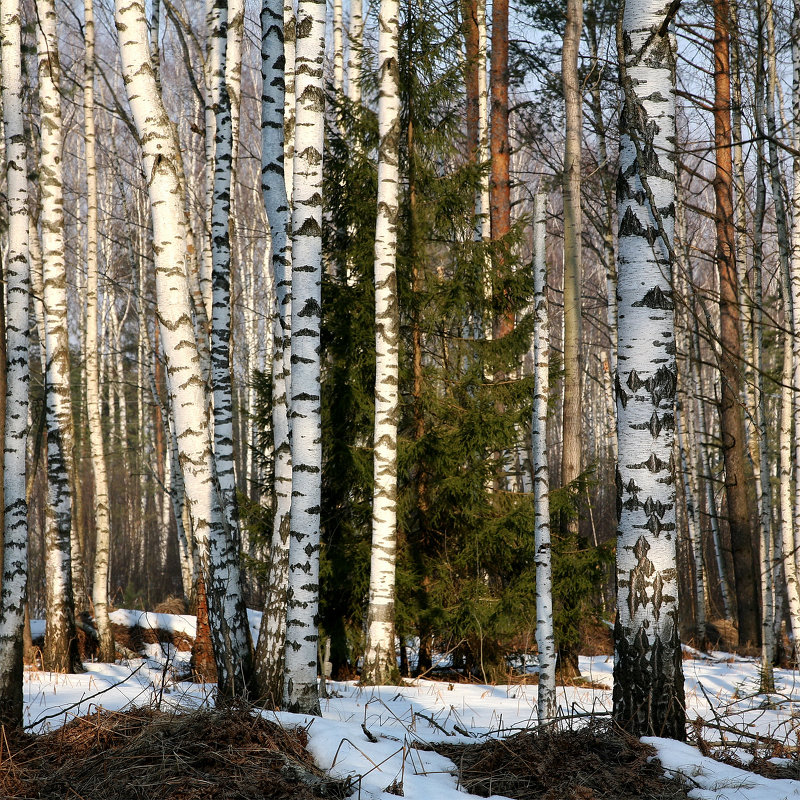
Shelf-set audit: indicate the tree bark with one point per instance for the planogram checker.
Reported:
(17, 277)
(731, 420)
(355, 33)
(102, 520)
(648, 669)
(500, 155)
(380, 665)
(545, 640)
(301, 693)
(571, 190)
(162, 163)
(272, 636)
(60, 648)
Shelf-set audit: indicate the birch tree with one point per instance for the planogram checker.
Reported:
(338, 47)
(60, 645)
(379, 657)
(163, 168)
(301, 692)
(102, 519)
(791, 293)
(355, 54)
(545, 640)
(648, 671)
(272, 636)
(17, 277)
(226, 562)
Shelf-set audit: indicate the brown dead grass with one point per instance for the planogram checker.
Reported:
(592, 763)
(144, 754)
(135, 637)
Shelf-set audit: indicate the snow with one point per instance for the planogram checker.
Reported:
(171, 623)
(715, 780)
(720, 690)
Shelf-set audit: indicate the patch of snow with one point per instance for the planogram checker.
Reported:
(424, 711)
(712, 780)
(172, 623)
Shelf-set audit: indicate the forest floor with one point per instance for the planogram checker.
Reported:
(412, 739)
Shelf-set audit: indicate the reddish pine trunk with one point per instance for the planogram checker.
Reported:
(499, 183)
(469, 13)
(202, 662)
(730, 363)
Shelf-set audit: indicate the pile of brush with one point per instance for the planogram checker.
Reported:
(144, 754)
(590, 763)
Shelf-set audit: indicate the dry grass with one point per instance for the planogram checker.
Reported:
(591, 763)
(144, 754)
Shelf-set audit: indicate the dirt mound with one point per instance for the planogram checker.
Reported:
(144, 754)
(587, 764)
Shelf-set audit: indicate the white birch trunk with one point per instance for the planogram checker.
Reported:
(338, 48)
(355, 35)
(290, 99)
(545, 639)
(272, 636)
(301, 692)
(648, 672)
(102, 521)
(221, 312)
(483, 133)
(380, 664)
(794, 277)
(17, 277)
(162, 166)
(60, 651)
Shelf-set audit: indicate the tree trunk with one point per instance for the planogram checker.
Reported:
(301, 693)
(226, 574)
(380, 665)
(162, 163)
(499, 181)
(571, 189)
(469, 28)
(272, 636)
(355, 33)
(648, 670)
(102, 521)
(60, 647)
(545, 641)
(730, 361)
(17, 277)
(338, 48)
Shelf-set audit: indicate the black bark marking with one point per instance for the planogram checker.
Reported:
(656, 298)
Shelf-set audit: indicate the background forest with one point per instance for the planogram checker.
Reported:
(502, 118)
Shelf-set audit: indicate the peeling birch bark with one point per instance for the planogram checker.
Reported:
(648, 669)
(301, 692)
(60, 647)
(545, 637)
(17, 278)
(380, 665)
(270, 656)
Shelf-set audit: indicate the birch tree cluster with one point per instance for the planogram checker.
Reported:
(441, 333)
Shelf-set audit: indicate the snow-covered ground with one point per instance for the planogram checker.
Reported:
(371, 733)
